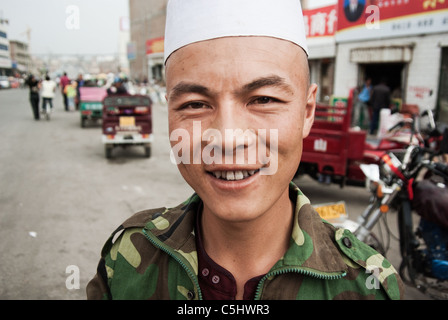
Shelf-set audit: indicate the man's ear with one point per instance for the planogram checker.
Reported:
(309, 110)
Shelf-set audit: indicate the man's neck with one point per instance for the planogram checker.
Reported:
(249, 249)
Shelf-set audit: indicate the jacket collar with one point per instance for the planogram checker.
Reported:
(312, 246)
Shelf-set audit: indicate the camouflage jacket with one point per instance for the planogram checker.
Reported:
(152, 255)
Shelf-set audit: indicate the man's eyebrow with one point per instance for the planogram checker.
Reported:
(186, 87)
(269, 81)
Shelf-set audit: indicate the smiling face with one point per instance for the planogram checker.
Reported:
(250, 85)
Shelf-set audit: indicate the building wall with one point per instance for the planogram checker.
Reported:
(5, 55)
(20, 55)
(147, 21)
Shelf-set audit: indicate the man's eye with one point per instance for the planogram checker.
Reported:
(263, 100)
(194, 105)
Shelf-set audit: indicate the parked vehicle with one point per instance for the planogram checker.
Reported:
(414, 183)
(4, 82)
(127, 121)
(333, 151)
(90, 105)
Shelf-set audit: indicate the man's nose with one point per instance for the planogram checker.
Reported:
(233, 122)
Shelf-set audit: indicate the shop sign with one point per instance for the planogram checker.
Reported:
(320, 22)
(155, 45)
(381, 54)
(131, 50)
(374, 19)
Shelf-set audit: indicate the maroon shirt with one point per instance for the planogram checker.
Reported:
(216, 282)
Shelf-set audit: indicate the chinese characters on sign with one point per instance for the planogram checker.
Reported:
(320, 22)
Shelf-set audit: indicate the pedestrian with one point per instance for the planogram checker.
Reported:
(79, 84)
(361, 109)
(34, 86)
(70, 92)
(247, 232)
(117, 88)
(380, 99)
(48, 90)
(64, 81)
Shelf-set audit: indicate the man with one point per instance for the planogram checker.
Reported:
(379, 99)
(353, 10)
(48, 89)
(34, 86)
(234, 71)
(360, 110)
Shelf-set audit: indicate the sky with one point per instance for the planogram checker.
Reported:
(66, 26)
(72, 26)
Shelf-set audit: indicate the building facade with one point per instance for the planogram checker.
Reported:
(147, 25)
(402, 42)
(5, 53)
(20, 57)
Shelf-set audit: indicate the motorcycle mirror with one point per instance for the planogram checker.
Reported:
(371, 171)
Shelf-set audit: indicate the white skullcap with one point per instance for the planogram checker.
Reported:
(189, 21)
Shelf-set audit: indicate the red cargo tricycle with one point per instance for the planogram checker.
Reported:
(333, 151)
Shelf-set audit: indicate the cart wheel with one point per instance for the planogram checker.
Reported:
(108, 150)
(83, 122)
(147, 152)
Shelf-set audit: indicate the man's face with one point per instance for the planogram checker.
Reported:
(240, 84)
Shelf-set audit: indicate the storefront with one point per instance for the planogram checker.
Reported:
(154, 54)
(399, 41)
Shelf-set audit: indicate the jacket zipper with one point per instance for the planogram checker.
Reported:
(305, 272)
(168, 250)
(258, 291)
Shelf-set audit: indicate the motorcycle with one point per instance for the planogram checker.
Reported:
(409, 180)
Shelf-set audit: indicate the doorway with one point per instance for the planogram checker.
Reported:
(392, 73)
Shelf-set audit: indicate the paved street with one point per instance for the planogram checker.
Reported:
(60, 198)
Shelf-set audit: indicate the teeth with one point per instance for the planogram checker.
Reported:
(233, 175)
(238, 175)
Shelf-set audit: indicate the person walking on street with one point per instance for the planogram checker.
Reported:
(80, 83)
(361, 110)
(63, 83)
(379, 99)
(34, 86)
(70, 91)
(48, 90)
